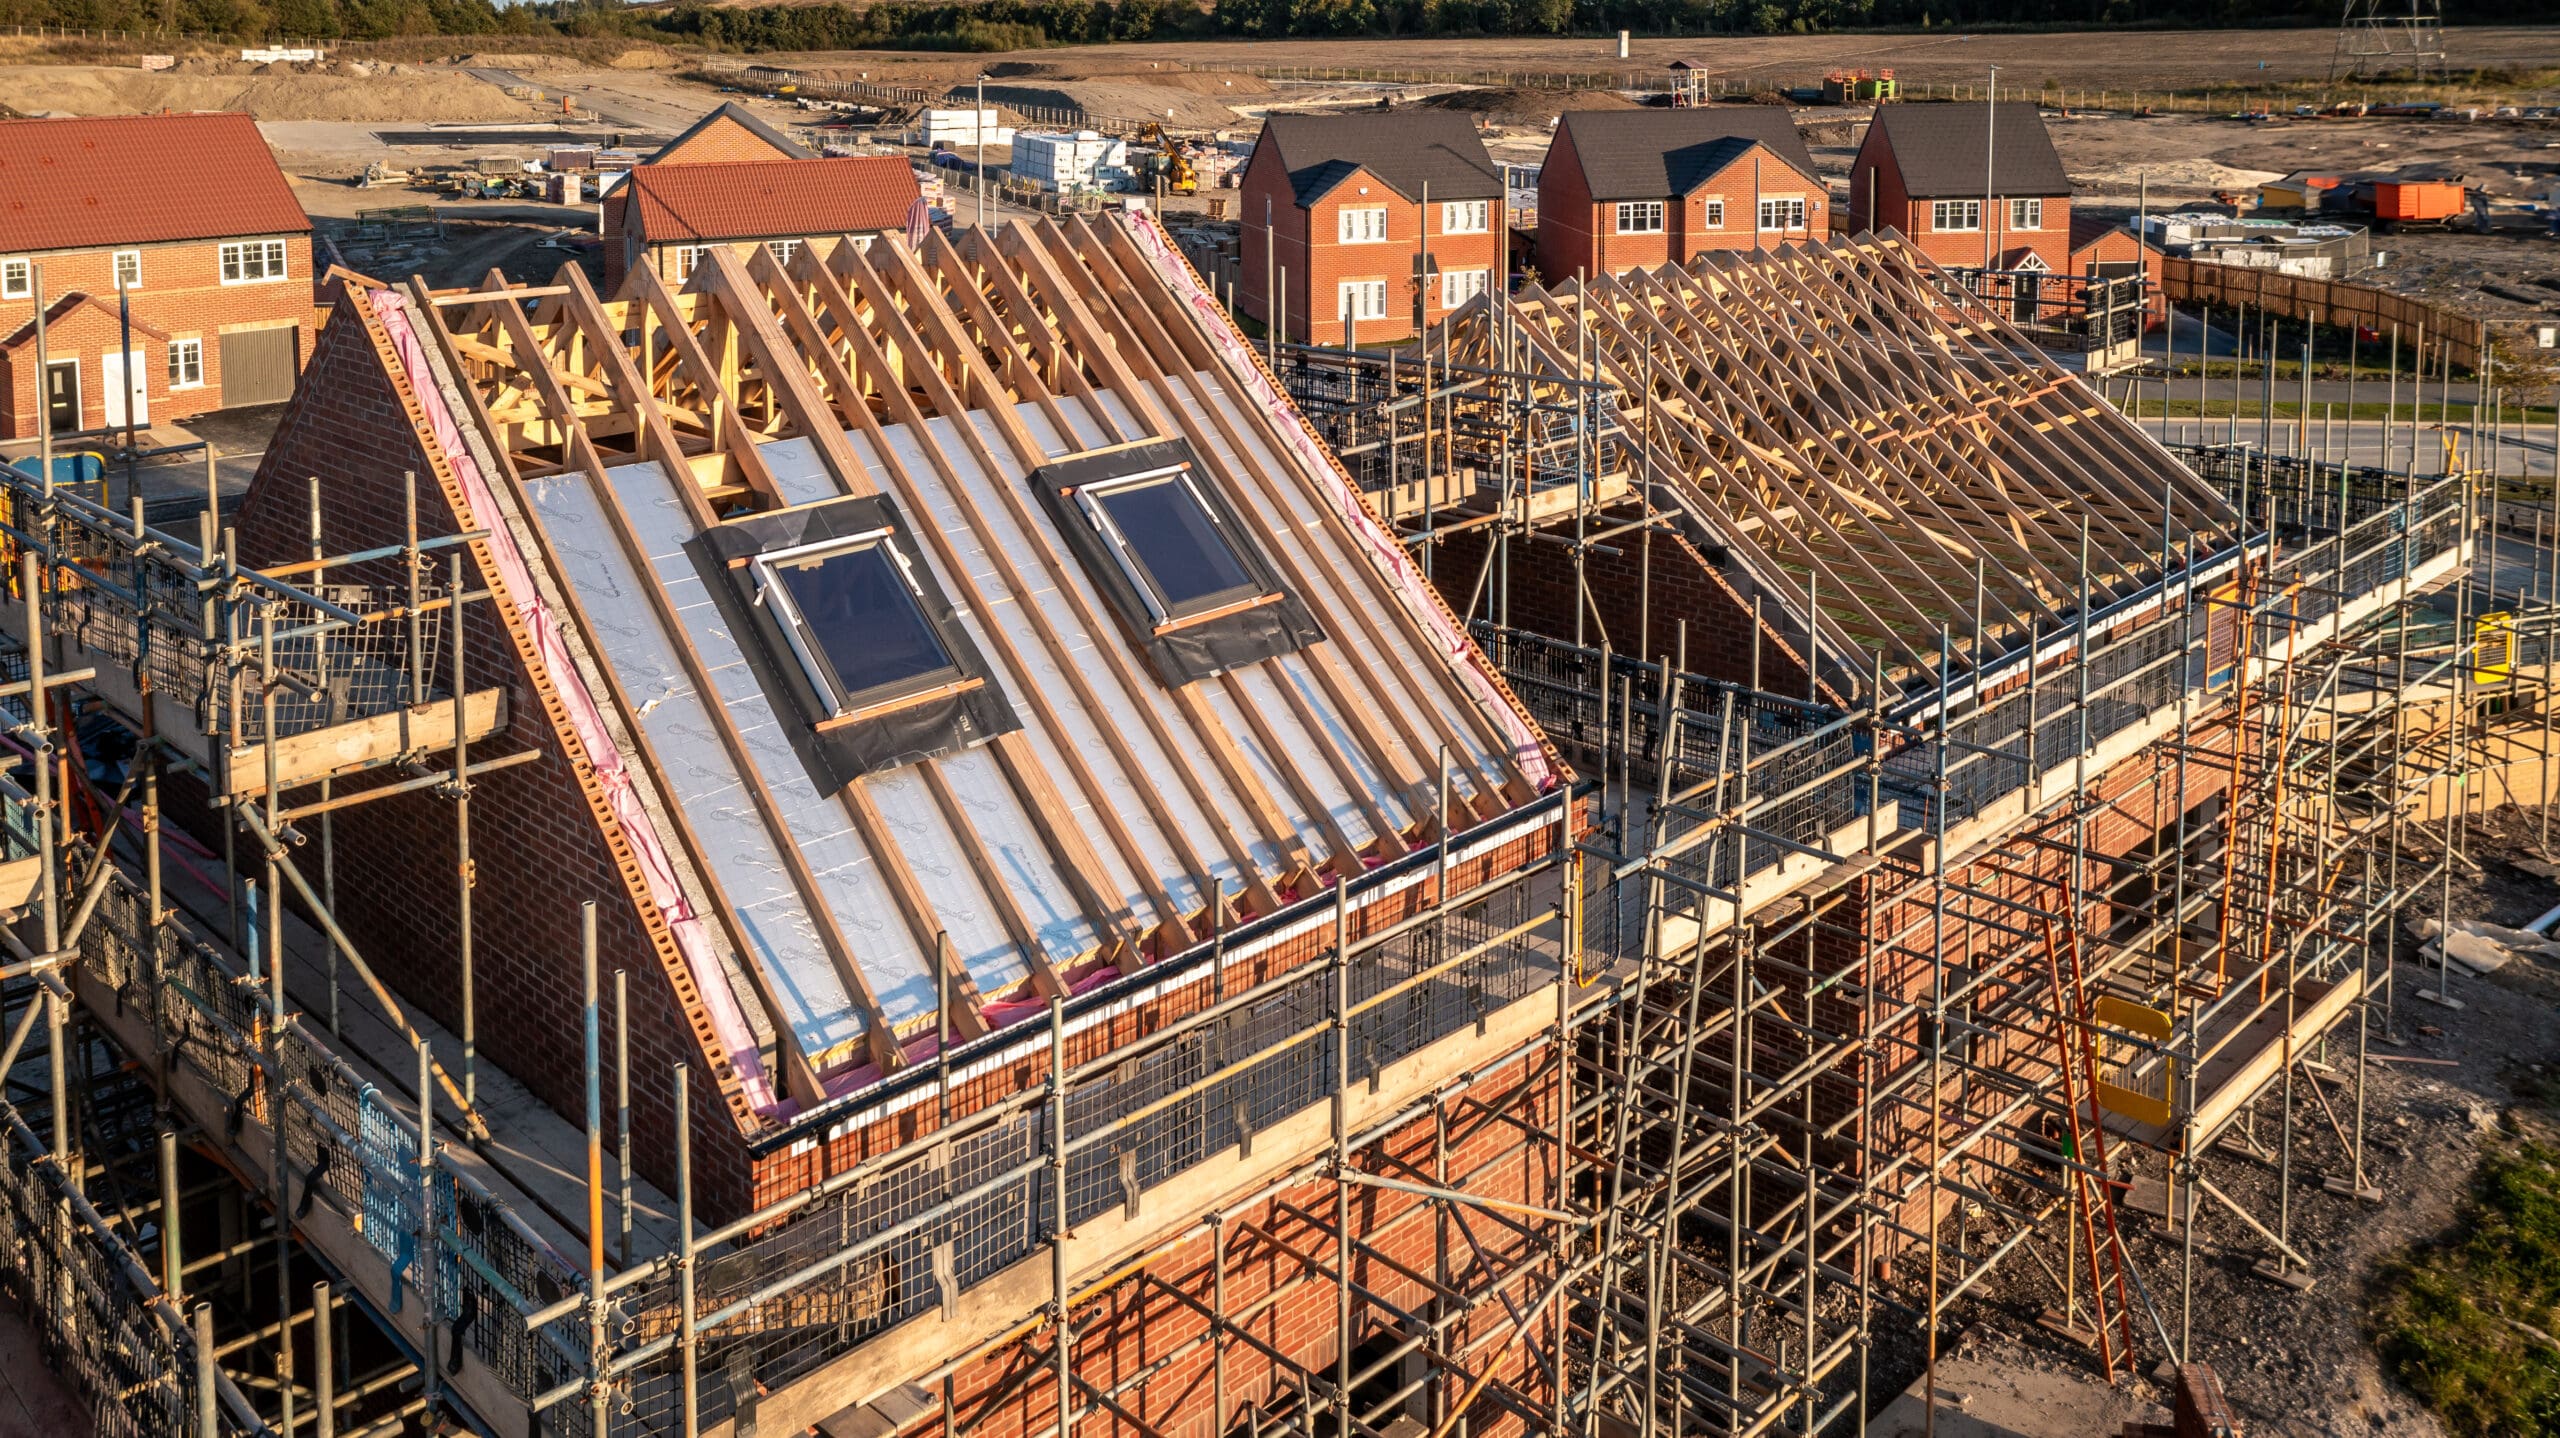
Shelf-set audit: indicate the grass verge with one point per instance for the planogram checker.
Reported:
(2465, 1320)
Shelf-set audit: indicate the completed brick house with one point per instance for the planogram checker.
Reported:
(672, 214)
(189, 216)
(1925, 170)
(1630, 189)
(729, 135)
(1336, 206)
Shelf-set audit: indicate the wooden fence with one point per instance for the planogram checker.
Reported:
(2450, 334)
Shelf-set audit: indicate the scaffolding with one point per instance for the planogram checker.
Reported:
(1802, 1018)
(2007, 956)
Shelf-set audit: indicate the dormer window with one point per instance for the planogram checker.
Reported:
(1188, 580)
(854, 637)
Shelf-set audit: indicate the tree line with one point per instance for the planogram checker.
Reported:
(987, 25)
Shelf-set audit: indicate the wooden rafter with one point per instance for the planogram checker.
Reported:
(1901, 458)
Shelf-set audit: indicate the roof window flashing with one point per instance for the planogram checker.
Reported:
(854, 616)
(1187, 578)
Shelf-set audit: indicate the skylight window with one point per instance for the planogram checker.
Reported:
(1168, 542)
(854, 643)
(855, 618)
(1177, 562)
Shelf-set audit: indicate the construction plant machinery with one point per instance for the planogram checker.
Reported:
(1169, 164)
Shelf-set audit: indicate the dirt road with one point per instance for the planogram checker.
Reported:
(2100, 59)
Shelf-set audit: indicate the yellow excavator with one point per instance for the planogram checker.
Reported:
(1171, 165)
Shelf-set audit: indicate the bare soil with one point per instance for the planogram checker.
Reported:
(274, 92)
(2111, 60)
(1531, 107)
(2441, 1085)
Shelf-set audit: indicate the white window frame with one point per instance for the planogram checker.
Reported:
(1459, 286)
(782, 250)
(121, 256)
(1354, 295)
(1955, 216)
(1711, 215)
(192, 345)
(823, 680)
(686, 257)
(1466, 217)
(1632, 217)
(1361, 224)
(1133, 564)
(271, 261)
(2026, 214)
(1789, 210)
(17, 279)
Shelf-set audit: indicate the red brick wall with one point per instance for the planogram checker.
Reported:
(617, 242)
(1269, 206)
(2129, 804)
(1877, 200)
(1567, 219)
(1754, 175)
(1281, 1254)
(1874, 166)
(1306, 245)
(1577, 233)
(536, 849)
(182, 296)
(723, 139)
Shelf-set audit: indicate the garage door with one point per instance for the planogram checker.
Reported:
(257, 367)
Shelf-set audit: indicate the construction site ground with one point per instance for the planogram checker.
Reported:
(2121, 59)
(2442, 1086)
(330, 121)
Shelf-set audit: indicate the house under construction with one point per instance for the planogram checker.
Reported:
(929, 841)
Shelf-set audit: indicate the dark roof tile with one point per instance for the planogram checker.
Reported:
(1656, 154)
(1405, 150)
(1939, 150)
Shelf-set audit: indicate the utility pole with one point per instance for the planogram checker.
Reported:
(978, 118)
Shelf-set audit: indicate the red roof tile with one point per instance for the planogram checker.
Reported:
(761, 199)
(139, 179)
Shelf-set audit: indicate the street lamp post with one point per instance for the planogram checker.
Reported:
(979, 119)
(1990, 190)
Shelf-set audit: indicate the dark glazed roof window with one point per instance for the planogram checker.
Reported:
(1169, 542)
(1188, 580)
(863, 657)
(855, 617)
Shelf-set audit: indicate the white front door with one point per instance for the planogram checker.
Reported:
(126, 384)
